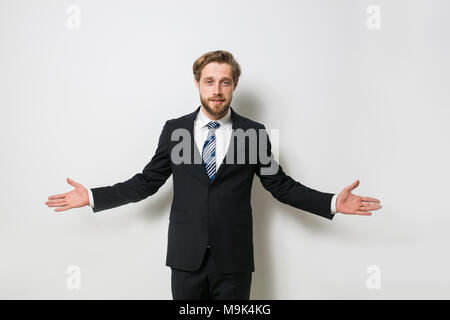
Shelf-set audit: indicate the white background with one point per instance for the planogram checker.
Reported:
(350, 102)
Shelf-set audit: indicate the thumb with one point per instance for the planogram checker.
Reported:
(71, 182)
(353, 185)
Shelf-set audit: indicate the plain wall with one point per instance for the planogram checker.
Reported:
(350, 103)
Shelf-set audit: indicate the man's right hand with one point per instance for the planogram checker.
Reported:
(79, 197)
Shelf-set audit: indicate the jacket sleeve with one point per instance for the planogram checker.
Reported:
(141, 185)
(283, 187)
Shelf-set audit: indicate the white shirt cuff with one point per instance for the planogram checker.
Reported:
(91, 198)
(333, 204)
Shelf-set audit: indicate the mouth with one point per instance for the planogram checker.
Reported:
(217, 101)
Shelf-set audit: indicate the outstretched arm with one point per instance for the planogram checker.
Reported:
(293, 193)
(141, 185)
(284, 188)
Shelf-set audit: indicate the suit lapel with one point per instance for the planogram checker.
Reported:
(236, 124)
(196, 166)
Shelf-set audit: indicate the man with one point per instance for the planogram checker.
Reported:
(210, 238)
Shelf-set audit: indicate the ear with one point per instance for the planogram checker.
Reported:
(196, 83)
(235, 85)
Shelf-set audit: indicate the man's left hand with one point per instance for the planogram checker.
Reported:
(350, 203)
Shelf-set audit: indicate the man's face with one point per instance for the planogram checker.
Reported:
(216, 88)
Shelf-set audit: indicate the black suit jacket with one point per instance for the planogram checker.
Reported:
(217, 212)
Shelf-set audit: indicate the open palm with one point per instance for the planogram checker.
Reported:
(76, 198)
(350, 203)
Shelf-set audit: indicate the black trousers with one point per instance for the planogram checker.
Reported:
(208, 284)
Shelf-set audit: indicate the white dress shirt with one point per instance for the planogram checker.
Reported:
(223, 138)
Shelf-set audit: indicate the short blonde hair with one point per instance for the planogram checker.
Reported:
(220, 56)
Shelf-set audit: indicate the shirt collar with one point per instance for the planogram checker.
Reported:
(204, 120)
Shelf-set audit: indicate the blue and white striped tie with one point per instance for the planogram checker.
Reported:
(209, 150)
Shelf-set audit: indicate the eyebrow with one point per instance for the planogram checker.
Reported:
(224, 78)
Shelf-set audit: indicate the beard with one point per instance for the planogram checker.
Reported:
(217, 111)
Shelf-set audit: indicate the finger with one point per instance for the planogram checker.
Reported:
(62, 209)
(55, 201)
(370, 206)
(363, 213)
(57, 204)
(367, 199)
(57, 196)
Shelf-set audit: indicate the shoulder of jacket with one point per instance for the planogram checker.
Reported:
(252, 123)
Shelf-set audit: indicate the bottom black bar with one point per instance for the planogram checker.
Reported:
(253, 309)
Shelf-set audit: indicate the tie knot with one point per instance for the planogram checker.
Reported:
(213, 125)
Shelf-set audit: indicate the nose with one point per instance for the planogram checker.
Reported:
(217, 89)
